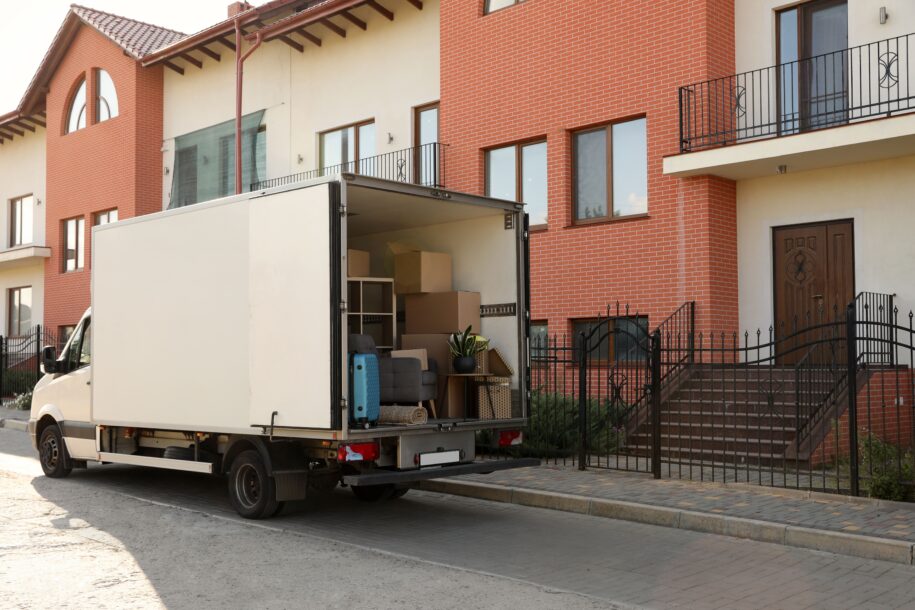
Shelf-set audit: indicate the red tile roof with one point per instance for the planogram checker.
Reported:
(139, 39)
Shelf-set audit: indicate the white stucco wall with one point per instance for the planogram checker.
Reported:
(22, 172)
(755, 27)
(877, 196)
(381, 73)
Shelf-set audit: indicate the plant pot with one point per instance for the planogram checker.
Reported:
(465, 365)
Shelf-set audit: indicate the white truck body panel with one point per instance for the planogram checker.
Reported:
(198, 313)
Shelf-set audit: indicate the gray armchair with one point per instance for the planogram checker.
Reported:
(402, 379)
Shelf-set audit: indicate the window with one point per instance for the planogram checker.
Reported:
(425, 137)
(76, 116)
(20, 311)
(518, 173)
(79, 353)
(103, 218)
(539, 340)
(618, 339)
(63, 334)
(106, 102)
(611, 169)
(494, 5)
(204, 165)
(812, 92)
(22, 219)
(349, 149)
(74, 230)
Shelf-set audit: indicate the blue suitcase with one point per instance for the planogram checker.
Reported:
(364, 389)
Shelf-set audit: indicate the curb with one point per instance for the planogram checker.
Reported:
(14, 424)
(840, 543)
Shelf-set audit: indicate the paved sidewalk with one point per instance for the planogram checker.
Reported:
(14, 414)
(841, 524)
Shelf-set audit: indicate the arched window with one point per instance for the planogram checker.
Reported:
(76, 118)
(106, 104)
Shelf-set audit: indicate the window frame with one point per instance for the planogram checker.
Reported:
(81, 83)
(607, 128)
(10, 292)
(13, 243)
(519, 169)
(107, 214)
(356, 144)
(488, 11)
(99, 99)
(80, 243)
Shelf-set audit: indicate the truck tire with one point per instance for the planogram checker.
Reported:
(372, 493)
(52, 453)
(251, 490)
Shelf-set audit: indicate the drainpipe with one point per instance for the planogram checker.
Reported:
(239, 76)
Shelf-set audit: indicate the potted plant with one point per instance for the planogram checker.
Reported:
(464, 347)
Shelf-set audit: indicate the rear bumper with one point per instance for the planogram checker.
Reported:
(396, 477)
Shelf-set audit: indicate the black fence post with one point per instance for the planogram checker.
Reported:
(655, 382)
(582, 401)
(851, 340)
(37, 353)
(3, 361)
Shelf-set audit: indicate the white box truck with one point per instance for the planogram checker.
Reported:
(217, 341)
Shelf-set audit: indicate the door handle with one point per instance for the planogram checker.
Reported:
(89, 383)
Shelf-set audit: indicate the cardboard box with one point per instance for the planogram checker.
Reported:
(420, 271)
(358, 263)
(442, 312)
(454, 399)
(436, 346)
(419, 354)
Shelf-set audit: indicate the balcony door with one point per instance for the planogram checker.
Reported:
(813, 65)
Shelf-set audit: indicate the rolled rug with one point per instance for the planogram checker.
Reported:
(393, 414)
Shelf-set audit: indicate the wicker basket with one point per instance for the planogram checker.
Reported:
(494, 397)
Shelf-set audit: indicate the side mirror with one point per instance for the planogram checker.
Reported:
(49, 359)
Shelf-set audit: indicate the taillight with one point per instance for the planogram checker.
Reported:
(358, 452)
(509, 438)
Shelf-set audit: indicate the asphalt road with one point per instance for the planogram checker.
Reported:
(117, 536)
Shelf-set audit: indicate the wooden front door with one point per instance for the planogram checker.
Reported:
(814, 274)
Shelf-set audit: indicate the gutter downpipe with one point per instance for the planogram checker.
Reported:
(239, 76)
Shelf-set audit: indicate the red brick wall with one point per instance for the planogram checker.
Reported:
(544, 68)
(112, 164)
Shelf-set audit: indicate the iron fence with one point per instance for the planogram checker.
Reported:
(824, 403)
(831, 89)
(423, 165)
(20, 357)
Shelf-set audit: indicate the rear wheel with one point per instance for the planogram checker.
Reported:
(251, 490)
(399, 492)
(52, 453)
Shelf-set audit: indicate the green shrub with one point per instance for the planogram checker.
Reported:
(887, 467)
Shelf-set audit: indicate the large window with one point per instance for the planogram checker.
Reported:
(349, 149)
(611, 171)
(519, 173)
(494, 5)
(22, 220)
(74, 231)
(613, 339)
(204, 166)
(76, 115)
(106, 100)
(20, 311)
(103, 218)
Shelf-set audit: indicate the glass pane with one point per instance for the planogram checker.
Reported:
(591, 174)
(27, 212)
(85, 351)
(16, 219)
(107, 107)
(533, 181)
(539, 339)
(630, 340)
(113, 216)
(14, 313)
(630, 168)
(77, 118)
(24, 309)
(331, 149)
(428, 126)
(826, 70)
(494, 5)
(367, 150)
(70, 245)
(788, 79)
(501, 182)
(227, 166)
(259, 174)
(598, 343)
(80, 250)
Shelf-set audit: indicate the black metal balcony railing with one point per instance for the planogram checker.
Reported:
(422, 165)
(836, 88)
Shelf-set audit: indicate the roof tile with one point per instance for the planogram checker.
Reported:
(136, 37)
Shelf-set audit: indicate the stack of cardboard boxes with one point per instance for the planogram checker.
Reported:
(433, 310)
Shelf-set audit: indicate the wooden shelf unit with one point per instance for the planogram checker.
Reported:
(371, 309)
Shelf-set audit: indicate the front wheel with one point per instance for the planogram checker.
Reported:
(251, 490)
(52, 453)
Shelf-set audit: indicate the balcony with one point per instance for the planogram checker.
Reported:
(421, 165)
(816, 112)
(21, 256)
